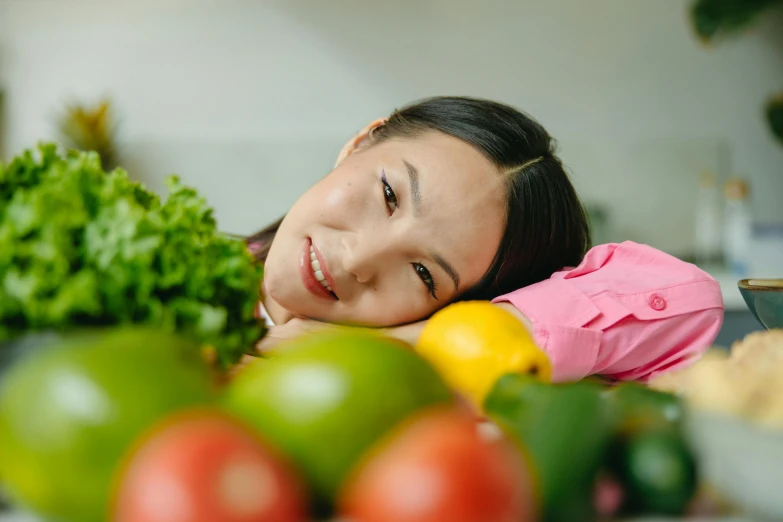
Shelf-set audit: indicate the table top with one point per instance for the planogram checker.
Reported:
(17, 517)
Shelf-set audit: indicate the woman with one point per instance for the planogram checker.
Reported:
(459, 198)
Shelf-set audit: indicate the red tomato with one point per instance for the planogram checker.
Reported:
(438, 468)
(204, 467)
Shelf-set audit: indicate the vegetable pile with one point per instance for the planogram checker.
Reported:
(343, 423)
(80, 247)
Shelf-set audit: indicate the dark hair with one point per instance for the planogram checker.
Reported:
(546, 226)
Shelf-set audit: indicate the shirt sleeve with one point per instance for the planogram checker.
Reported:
(628, 312)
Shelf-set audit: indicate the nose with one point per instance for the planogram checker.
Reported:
(368, 255)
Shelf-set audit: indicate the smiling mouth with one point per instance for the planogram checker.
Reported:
(319, 275)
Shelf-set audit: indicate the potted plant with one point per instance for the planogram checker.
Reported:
(716, 20)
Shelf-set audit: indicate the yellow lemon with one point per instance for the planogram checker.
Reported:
(474, 343)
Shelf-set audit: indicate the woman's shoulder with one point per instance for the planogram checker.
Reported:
(630, 267)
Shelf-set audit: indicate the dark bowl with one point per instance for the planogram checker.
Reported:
(764, 297)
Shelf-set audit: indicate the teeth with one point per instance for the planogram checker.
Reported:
(316, 266)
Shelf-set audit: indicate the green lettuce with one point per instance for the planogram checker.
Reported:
(80, 247)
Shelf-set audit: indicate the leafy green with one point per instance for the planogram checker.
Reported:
(80, 247)
(713, 19)
(774, 112)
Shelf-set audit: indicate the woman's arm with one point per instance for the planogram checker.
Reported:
(628, 312)
(409, 332)
(296, 327)
(280, 333)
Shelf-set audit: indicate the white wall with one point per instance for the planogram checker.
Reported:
(250, 100)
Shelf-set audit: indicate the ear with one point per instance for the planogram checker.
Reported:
(358, 141)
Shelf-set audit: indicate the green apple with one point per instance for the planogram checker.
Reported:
(70, 411)
(329, 396)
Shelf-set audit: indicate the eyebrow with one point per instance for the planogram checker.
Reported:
(413, 178)
(448, 269)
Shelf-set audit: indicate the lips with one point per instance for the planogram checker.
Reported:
(308, 277)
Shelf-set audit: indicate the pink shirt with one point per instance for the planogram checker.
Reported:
(628, 312)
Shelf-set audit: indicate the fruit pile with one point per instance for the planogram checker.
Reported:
(131, 425)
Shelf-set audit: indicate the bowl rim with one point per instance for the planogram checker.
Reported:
(761, 284)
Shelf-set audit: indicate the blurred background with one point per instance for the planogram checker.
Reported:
(665, 133)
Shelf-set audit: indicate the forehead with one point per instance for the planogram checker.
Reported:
(462, 213)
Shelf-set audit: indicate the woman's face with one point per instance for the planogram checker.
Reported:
(393, 233)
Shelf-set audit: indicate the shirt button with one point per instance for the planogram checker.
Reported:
(657, 302)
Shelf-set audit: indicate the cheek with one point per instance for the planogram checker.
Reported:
(340, 202)
(280, 264)
(393, 305)
(336, 198)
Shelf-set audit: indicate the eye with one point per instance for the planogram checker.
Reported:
(426, 278)
(388, 194)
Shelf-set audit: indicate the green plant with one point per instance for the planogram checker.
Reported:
(775, 116)
(715, 20)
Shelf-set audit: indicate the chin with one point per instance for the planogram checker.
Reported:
(292, 301)
(276, 289)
